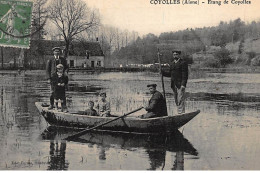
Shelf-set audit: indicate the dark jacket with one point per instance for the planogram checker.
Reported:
(90, 112)
(59, 91)
(157, 104)
(51, 66)
(178, 73)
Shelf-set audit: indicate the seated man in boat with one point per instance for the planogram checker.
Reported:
(103, 106)
(157, 104)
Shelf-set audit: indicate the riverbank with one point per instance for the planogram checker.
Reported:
(247, 69)
(231, 70)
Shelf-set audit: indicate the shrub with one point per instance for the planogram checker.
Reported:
(223, 57)
(212, 63)
(241, 59)
(255, 61)
(188, 59)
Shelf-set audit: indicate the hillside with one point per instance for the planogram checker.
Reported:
(249, 45)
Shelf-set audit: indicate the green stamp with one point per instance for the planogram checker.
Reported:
(15, 23)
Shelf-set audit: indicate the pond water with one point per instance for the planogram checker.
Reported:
(224, 136)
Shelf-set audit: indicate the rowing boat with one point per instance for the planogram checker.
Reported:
(127, 124)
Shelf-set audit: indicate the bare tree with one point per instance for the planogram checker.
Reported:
(109, 34)
(72, 17)
(118, 39)
(39, 17)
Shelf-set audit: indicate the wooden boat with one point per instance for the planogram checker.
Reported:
(127, 124)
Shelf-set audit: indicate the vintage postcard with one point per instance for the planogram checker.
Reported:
(135, 85)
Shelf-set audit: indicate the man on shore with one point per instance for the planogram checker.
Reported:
(179, 77)
(51, 69)
(157, 104)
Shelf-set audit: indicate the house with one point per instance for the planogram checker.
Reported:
(81, 54)
(86, 55)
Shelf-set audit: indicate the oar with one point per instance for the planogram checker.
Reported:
(87, 130)
(160, 68)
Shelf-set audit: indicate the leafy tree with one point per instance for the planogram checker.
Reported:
(219, 38)
(241, 46)
(223, 57)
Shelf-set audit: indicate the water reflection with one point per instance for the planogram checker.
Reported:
(102, 153)
(57, 159)
(155, 146)
(157, 158)
(179, 162)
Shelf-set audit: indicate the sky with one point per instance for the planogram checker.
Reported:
(143, 17)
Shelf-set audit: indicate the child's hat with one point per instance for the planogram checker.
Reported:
(59, 66)
(56, 49)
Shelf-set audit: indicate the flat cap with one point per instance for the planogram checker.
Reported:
(56, 49)
(152, 85)
(103, 93)
(176, 51)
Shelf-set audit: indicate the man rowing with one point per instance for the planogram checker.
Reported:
(157, 104)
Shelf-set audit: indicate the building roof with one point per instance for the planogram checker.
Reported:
(80, 48)
(76, 48)
(10, 53)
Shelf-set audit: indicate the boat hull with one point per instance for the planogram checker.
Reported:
(127, 124)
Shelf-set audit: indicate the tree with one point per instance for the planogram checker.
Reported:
(219, 38)
(72, 17)
(223, 57)
(39, 17)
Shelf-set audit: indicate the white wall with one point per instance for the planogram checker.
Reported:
(79, 61)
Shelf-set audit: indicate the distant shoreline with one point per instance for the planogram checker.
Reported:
(230, 70)
(246, 69)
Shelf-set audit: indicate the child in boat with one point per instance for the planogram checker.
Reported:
(59, 80)
(103, 106)
(90, 111)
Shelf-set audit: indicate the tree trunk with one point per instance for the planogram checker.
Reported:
(66, 51)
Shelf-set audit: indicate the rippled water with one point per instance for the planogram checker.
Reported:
(224, 136)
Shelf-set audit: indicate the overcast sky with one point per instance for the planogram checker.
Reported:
(144, 17)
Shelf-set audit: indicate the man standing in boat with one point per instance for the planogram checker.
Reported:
(157, 104)
(51, 69)
(179, 77)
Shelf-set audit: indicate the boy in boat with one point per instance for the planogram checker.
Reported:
(59, 80)
(157, 104)
(90, 111)
(103, 106)
(51, 69)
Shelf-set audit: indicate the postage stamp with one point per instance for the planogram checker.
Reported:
(15, 23)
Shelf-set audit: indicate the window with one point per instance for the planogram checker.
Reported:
(71, 63)
(92, 63)
(87, 54)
